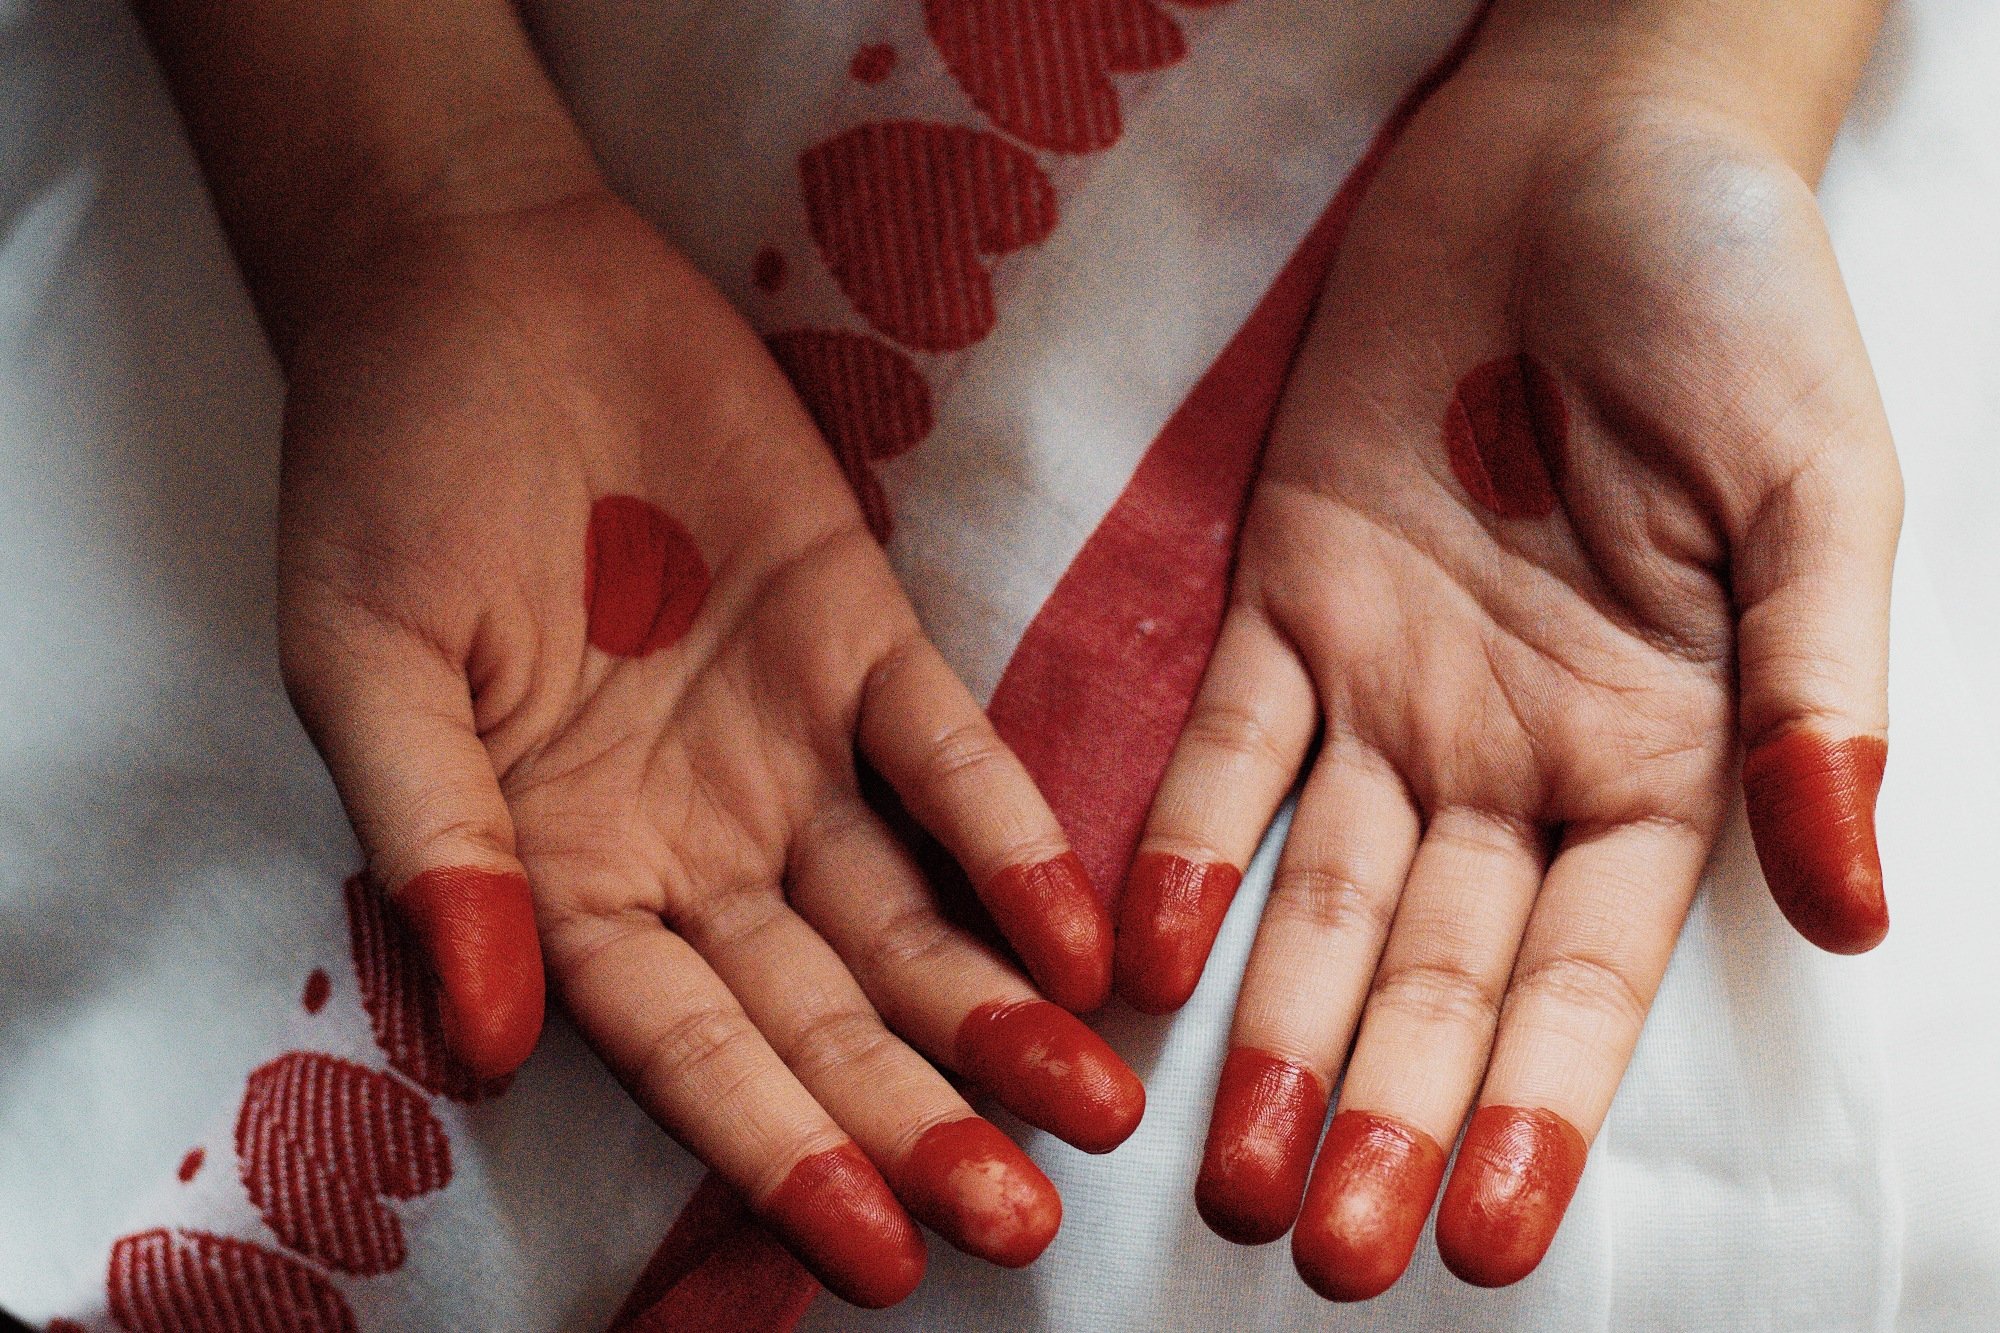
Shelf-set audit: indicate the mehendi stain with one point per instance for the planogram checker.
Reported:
(477, 933)
(1268, 1114)
(644, 579)
(835, 1212)
(1376, 1180)
(1811, 802)
(1168, 920)
(969, 1183)
(1049, 913)
(1043, 1064)
(1506, 433)
(1517, 1170)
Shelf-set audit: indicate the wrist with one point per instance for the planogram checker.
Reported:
(1777, 70)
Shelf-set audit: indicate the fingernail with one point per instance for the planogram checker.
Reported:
(1374, 1186)
(1044, 1065)
(1517, 1170)
(477, 932)
(1811, 802)
(1168, 921)
(835, 1212)
(1050, 914)
(1268, 1114)
(969, 1183)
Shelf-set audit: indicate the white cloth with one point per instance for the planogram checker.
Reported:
(1802, 1142)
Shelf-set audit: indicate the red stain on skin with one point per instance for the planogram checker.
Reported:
(1811, 802)
(1506, 433)
(1052, 917)
(835, 1212)
(1172, 910)
(477, 931)
(1517, 1170)
(873, 63)
(1044, 1065)
(318, 987)
(191, 1164)
(768, 269)
(401, 999)
(643, 577)
(1268, 1114)
(968, 1182)
(1370, 1194)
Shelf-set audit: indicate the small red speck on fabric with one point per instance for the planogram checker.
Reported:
(318, 987)
(905, 213)
(191, 1164)
(195, 1282)
(873, 63)
(768, 269)
(868, 398)
(321, 1142)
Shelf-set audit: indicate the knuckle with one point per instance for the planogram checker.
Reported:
(846, 1041)
(1437, 992)
(1235, 731)
(1582, 981)
(914, 939)
(1328, 901)
(708, 1046)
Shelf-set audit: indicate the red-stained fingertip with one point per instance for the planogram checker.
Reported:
(1045, 1066)
(969, 1183)
(477, 932)
(1051, 915)
(1517, 1170)
(1167, 923)
(835, 1212)
(1268, 1114)
(1376, 1180)
(1811, 802)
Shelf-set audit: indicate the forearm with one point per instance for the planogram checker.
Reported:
(1787, 68)
(323, 128)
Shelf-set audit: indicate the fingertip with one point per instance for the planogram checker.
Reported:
(1268, 1114)
(1517, 1170)
(972, 1185)
(477, 932)
(1046, 1066)
(1169, 916)
(1052, 916)
(1810, 799)
(1365, 1209)
(836, 1213)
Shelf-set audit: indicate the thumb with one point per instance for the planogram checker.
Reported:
(393, 719)
(1813, 571)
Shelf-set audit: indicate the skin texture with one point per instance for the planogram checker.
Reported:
(557, 547)
(1169, 918)
(1268, 1115)
(1580, 477)
(968, 1182)
(1049, 1069)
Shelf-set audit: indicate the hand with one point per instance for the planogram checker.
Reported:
(589, 629)
(1581, 474)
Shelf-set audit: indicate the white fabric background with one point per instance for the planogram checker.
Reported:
(1803, 1143)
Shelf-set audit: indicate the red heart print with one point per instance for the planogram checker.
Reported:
(196, 1282)
(321, 1142)
(904, 212)
(870, 400)
(1041, 69)
(401, 1001)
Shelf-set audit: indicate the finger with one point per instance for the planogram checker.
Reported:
(923, 732)
(678, 1040)
(1238, 754)
(949, 995)
(960, 1176)
(1596, 948)
(1334, 895)
(1425, 1033)
(393, 720)
(1813, 573)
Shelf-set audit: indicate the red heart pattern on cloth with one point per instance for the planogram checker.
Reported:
(321, 1142)
(1041, 69)
(402, 1006)
(905, 213)
(869, 399)
(195, 1282)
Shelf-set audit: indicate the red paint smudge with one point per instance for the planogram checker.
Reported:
(904, 212)
(1506, 433)
(1370, 1194)
(768, 270)
(644, 579)
(1168, 921)
(1517, 1170)
(318, 987)
(1043, 1064)
(969, 1183)
(873, 63)
(1811, 802)
(1052, 917)
(836, 1213)
(194, 1282)
(1268, 1113)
